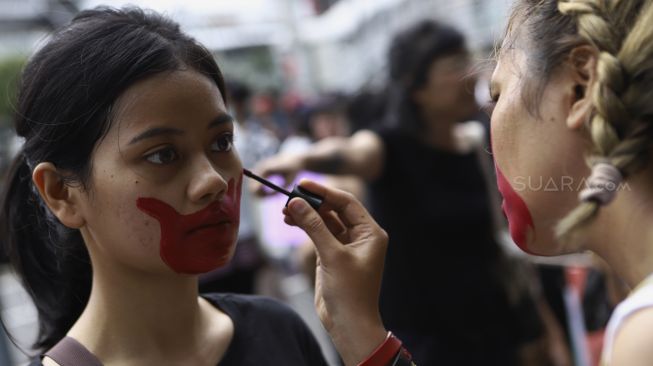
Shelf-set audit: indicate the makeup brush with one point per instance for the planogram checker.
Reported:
(313, 199)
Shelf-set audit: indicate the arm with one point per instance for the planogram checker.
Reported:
(361, 155)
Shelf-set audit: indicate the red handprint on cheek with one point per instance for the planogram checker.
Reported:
(201, 241)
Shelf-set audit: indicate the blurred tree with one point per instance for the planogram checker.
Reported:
(9, 72)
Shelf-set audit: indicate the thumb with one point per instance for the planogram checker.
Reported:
(310, 221)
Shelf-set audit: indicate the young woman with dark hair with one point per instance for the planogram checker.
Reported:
(128, 187)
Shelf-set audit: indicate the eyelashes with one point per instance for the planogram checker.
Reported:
(224, 143)
(167, 155)
(164, 156)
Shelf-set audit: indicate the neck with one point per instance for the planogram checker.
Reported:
(623, 234)
(142, 314)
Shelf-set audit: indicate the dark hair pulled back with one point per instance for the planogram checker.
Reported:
(63, 110)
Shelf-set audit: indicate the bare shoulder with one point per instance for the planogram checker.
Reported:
(633, 344)
(47, 361)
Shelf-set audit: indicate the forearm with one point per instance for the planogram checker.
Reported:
(331, 156)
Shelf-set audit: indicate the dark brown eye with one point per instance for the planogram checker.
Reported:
(223, 143)
(163, 156)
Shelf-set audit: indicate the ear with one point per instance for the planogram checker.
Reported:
(57, 195)
(582, 69)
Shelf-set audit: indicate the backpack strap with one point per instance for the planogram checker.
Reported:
(69, 352)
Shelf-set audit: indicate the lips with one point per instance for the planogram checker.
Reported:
(216, 214)
(207, 227)
(201, 241)
(519, 217)
(520, 221)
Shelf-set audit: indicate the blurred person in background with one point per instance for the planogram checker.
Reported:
(267, 111)
(447, 290)
(366, 108)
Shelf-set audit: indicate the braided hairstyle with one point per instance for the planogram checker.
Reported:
(621, 124)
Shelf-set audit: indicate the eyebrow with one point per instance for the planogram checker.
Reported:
(221, 119)
(169, 131)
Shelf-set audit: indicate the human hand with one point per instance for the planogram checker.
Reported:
(286, 165)
(351, 250)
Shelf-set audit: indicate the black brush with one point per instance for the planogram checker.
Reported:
(313, 199)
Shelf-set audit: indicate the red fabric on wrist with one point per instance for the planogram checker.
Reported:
(384, 353)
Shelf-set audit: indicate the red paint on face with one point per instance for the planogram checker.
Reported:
(515, 209)
(201, 241)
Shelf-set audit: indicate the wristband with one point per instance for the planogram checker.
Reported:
(403, 358)
(385, 353)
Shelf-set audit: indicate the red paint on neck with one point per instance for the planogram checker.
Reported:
(201, 241)
(515, 209)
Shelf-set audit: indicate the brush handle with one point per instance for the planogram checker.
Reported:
(313, 199)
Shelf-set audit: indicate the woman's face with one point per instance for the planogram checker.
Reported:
(539, 159)
(165, 181)
(449, 88)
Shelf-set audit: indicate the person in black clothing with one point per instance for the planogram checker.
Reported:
(444, 290)
(128, 187)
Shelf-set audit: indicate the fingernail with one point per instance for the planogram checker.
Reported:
(298, 206)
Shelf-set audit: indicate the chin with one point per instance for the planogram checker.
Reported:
(549, 245)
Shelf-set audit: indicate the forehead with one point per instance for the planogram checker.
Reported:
(168, 97)
(452, 58)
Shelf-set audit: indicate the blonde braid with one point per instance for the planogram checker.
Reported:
(604, 24)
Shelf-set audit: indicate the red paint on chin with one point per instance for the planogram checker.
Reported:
(201, 241)
(515, 209)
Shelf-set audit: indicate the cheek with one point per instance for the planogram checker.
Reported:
(143, 231)
(537, 159)
(123, 232)
(508, 140)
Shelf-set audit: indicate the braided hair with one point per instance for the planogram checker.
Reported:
(621, 123)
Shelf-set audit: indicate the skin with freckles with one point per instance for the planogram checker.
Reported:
(184, 165)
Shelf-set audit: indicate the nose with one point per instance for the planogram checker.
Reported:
(206, 184)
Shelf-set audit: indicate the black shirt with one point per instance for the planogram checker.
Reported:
(266, 332)
(435, 207)
(442, 276)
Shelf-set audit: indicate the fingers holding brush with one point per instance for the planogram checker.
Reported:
(351, 250)
(331, 220)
